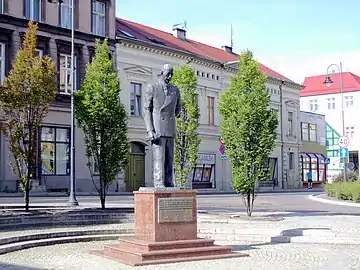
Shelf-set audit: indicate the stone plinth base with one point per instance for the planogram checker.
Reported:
(135, 252)
(165, 231)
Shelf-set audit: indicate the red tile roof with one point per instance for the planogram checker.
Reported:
(145, 33)
(315, 86)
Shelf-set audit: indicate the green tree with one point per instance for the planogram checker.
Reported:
(248, 127)
(102, 117)
(187, 140)
(25, 99)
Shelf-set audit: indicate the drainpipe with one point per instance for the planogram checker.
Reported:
(282, 136)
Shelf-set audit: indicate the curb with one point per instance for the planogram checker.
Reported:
(47, 239)
(314, 197)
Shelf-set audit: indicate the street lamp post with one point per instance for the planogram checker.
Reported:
(328, 82)
(72, 196)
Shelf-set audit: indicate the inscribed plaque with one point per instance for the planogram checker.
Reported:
(176, 209)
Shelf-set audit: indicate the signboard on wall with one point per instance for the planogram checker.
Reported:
(206, 159)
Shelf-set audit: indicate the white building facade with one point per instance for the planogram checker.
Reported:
(139, 64)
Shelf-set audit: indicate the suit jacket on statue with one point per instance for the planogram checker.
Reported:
(162, 105)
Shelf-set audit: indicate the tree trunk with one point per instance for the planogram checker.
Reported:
(248, 204)
(27, 192)
(102, 193)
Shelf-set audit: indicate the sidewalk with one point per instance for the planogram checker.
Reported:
(200, 192)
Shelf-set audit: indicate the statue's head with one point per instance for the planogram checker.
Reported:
(167, 72)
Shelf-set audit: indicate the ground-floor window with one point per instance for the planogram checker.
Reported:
(315, 163)
(55, 151)
(203, 174)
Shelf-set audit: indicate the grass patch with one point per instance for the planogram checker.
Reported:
(349, 191)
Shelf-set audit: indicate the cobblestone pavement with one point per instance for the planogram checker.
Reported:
(262, 256)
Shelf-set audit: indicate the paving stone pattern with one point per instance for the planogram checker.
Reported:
(263, 256)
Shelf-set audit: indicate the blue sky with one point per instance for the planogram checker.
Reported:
(296, 38)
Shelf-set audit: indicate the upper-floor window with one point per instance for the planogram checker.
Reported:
(2, 62)
(1, 6)
(66, 14)
(350, 132)
(349, 101)
(33, 9)
(98, 18)
(65, 74)
(291, 160)
(331, 103)
(290, 123)
(135, 99)
(313, 105)
(308, 132)
(211, 110)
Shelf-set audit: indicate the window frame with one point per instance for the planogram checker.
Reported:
(134, 86)
(62, 7)
(331, 103)
(308, 135)
(349, 101)
(313, 105)
(55, 142)
(2, 61)
(97, 14)
(290, 123)
(72, 73)
(31, 11)
(211, 110)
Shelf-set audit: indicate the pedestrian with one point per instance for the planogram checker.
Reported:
(309, 178)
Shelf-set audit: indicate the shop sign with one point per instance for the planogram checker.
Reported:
(204, 159)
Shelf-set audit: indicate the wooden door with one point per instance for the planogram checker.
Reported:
(135, 173)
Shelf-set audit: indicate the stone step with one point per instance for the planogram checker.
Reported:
(39, 236)
(135, 256)
(55, 241)
(148, 246)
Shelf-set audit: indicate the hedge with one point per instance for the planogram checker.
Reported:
(344, 190)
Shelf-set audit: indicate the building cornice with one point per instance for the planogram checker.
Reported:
(53, 29)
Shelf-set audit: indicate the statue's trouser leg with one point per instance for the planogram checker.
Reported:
(159, 161)
(169, 163)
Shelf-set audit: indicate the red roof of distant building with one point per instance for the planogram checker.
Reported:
(315, 86)
(145, 33)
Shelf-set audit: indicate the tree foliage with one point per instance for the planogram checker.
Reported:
(25, 99)
(102, 117)
(248, 127)
(187, 140)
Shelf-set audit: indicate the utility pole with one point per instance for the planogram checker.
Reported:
(282, 136)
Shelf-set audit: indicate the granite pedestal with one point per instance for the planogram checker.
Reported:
(165, 231)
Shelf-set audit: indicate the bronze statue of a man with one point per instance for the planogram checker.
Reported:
(162, 105)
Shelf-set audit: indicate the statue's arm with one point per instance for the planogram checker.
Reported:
(178, 104)
(148, 109)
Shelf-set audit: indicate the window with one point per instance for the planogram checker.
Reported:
(312, 128)
(217, 78)
(349, 101)
(198, 73)
(39, 52)
(208, 75)
(313, 105)
(211, 110)
(55, 151)
(290, 123)
(331, 103)
(65, 14)
(350, 132)
(2, 62)
(65, 74)
(308, 132)
(1, 6)
(213, 76)
(33, 10)
(98, 18)
(291, 160)
(135, 99)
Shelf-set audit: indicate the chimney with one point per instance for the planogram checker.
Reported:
(179, 33)
(227, 48)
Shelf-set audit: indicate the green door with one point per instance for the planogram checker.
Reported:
(135, 172)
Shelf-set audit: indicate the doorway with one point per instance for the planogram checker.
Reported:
(135, 172)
